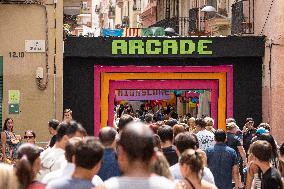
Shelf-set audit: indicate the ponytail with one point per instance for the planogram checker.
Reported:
(24, 172)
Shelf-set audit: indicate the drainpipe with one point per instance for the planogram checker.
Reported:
(54, 62)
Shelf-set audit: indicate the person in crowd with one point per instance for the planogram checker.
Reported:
(149, 119)
(260, 152)
(235, 142)
(209, 124)
(67, 115)
(281, 160)
(52, 128)
(135, 151)
(205, 138)
(109, 167)
(184, 141)
(30, 137)
(191, 124)
(165, 133)
(8, 179)
(88, 158)
(171, 122)
(27, 166)
(154, 127)
(266, 126)
(53, 158)
(223, 162)
(10, 142)
(239, 132)
(192, 166)
(178, 128)
(160, 166)
(157, 142)
(123, 121)
(248, 133)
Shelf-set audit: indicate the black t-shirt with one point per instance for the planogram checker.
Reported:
(52, 141)
(233, 141)
(248, 136)
(271, 179)
(171, 155)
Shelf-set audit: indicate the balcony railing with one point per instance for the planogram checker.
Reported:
(243, 17)
(184, 26)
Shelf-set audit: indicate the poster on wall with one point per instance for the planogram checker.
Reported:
(143, 95)
(14, 96)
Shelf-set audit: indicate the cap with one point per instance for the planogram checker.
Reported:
(260, 131)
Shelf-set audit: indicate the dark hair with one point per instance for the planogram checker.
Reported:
(53, 123)
(200, 122)
(184, 141)
(157, 141)
(171, 122)
(269, 138)
(67, 111)
(265, 126)
(165, 133)
(27, 154)
(68, 129)
(5, 128)
(196, 139)
(193, 159)
(82, 130)
(107, 136)
(220, 135)
(89, 153)
(149, 118)
(123, 121)
(262, 150)
(249, 119)
(70, 148)
(281, 149)
(137, 142)
(30, 131)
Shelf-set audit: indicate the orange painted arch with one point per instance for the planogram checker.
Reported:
(106, 77)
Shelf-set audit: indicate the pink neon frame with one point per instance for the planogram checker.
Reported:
(228, 69)
(165, 84)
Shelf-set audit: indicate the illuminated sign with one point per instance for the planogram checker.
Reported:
(161, 47)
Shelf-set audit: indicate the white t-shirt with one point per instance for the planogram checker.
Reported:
(205, 139)
(153, 182)
(52, 159)
(66, 172)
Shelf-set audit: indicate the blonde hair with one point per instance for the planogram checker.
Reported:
(209, 121)
(8, 179)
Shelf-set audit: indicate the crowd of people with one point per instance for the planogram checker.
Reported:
(144, 153)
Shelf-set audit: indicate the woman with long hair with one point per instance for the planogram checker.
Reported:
(191, 166)
(8, 179)
(9, 141)
(27, 166)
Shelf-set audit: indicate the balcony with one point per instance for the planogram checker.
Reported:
(243, 17)
(183, 26)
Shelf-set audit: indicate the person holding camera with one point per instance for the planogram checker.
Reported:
(249, 132)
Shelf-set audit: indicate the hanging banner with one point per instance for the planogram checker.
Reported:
(142, 94)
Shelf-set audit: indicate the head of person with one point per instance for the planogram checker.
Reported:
(178, 128)
(123, 121)
(160, 166)
(191, 122)
(67, 130)
(154, 127)
(230, 120)
(107, 136)
(232, 127)
(191, 163)
(165, 133)
(8, 124)
(171, 122)
(88, 155)
(70, 148)
(266, 126)
(52, 126)
(8, 179)
(28, 164)
(249, 123)
(67, 115)
(135, 146)
(30, 136)
(200, 124)
(209, 123)
(260, 152)
(157, 142)
(220, 136)
(184, 141)
(149, 118)
(269, 138)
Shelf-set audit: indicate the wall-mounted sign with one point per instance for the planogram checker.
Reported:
(159, 47)
(14, 96)
(35, 46)
(143, 95)
(14, 109)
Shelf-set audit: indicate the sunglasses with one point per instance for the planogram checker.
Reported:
(28, 137)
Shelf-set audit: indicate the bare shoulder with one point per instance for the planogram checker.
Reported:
(100, 187)
(207, 185)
